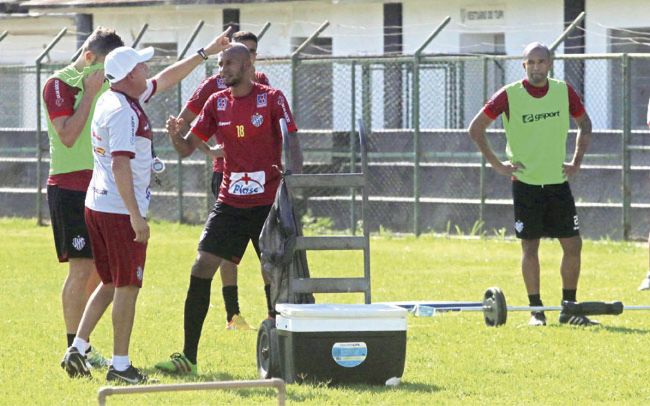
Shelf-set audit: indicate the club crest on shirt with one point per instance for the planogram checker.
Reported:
(257, 119)
(261, 100)
(139, 273)
(222, 102)
(78, 242)
(220, 83)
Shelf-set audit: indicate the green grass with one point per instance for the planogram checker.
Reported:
(451, 358)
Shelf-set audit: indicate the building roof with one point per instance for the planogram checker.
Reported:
(40, 4)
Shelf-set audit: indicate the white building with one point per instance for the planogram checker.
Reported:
(358, 27)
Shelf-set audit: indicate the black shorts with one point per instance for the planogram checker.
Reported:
(217, 177)
(544, 211)
(228, 230)
(68, 224)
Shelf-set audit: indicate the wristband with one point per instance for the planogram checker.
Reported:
(202, 54)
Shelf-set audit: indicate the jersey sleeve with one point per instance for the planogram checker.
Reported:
(196, 102)
(149, 91)
(576, 108)
(206, 124)
(122, 126)
(280, 109)
(59, 98)
(262, 79)
(497, 105)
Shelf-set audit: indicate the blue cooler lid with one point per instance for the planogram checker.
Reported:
(340, 317)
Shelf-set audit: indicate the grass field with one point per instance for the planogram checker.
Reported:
(451, 358)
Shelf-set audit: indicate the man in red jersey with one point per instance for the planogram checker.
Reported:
(245, 120)
(193, 107)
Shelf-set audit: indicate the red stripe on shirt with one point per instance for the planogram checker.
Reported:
(130, 154)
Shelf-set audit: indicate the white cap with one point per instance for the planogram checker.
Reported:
(121, 61)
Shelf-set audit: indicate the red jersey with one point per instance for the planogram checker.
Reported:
(207, 88)
(59, 99)
(498, 104)
(249, 129)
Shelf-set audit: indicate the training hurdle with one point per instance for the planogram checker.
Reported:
(276, 383)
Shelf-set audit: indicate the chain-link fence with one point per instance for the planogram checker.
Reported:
(425, 174)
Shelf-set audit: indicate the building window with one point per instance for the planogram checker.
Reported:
(231, 19)
(394, 74)
(313, 103)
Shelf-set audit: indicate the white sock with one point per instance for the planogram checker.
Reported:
(121, 362)
(80, 344)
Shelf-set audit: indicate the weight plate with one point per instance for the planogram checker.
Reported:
(495, 310)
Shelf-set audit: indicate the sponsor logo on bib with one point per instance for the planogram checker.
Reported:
(247, 183)
(531, 118)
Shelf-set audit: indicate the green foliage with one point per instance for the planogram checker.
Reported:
(312, 225)
(452, 358)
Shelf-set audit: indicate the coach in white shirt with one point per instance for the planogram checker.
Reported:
(118, 198)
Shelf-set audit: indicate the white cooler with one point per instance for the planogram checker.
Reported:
(341, 343)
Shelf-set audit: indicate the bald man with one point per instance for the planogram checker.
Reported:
(245, 121)
(535, 113)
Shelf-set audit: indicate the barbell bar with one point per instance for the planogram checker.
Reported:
(495, 310)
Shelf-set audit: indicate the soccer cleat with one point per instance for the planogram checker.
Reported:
(95, 359)
(537, 319)
(645, 285)
(131, 375)
(576, 320)
(237, 323)
(74, 363)
(177, 364)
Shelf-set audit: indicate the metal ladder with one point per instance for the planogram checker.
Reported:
(355, 180)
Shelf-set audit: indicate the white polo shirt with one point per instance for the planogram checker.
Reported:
(120, 127)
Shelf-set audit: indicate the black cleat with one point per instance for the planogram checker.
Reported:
(576, 320)
(537, 319)
(131, 375)
(74, 363)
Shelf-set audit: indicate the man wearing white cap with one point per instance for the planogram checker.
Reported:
(118, 198)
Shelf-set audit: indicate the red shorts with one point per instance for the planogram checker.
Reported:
(118, 259)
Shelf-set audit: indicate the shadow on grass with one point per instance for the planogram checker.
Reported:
(209, 377)
(403, 386)
(626, 330)
(613, 329)
(302, 396)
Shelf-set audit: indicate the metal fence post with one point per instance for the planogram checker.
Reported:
(294, 63)
(39, 135)
(353, 145)
(481, 208)
(366, 101)
(265, 28)
(179, 104)
(416, 144)
(625, 141)
(417, 60)
(138, 37)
